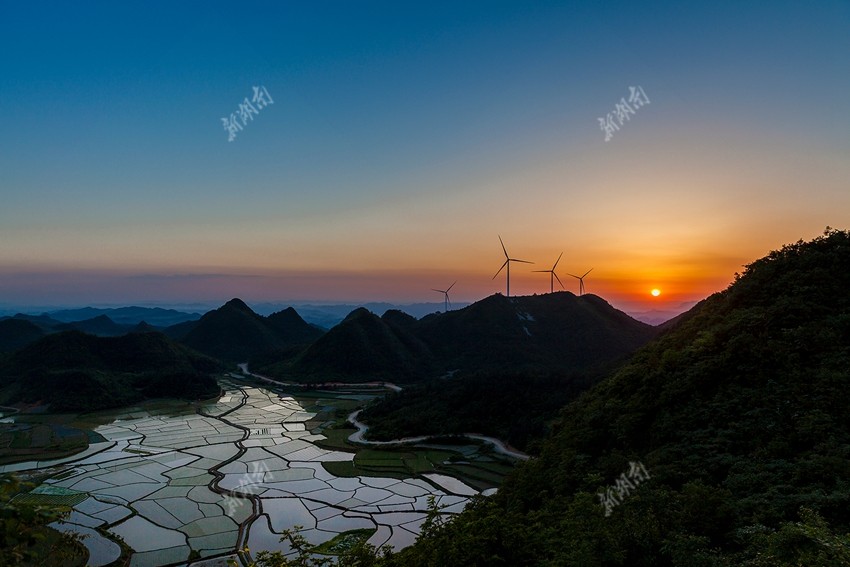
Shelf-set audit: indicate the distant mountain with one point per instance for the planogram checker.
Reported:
(45, 323)
(144, 327)
(738, 415)
(75, 371)
(101, 326)
(155, 316)
(553, 331)
(235, 333)
(18, 333)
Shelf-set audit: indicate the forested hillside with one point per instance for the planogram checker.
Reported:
(739, 414)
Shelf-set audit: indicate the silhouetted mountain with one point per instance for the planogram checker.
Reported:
(18, 333)
(540, 333)
(551, 331)
(180, 330)
(738, 415)
(102, 326)
(362, 347)
(399, 319)
(292, 328)
(327, 316)
(515, 363)
(155, 316)
(144, 327)
(45, 323)
(77, 371)
(235, 333)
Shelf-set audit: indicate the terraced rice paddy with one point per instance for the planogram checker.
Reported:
(178, 485)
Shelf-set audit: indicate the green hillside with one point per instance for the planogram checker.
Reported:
(74, 371)
(739, 414)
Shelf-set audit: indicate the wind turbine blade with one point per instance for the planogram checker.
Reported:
(523, 261)
(450, 287)
(557, 278)
(502, 268)
(558, 260)
(576, 277)
(503, 247)
(588, 271)
(547, 271)
(438, 290)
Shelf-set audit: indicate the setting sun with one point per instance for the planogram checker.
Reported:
(655, 292)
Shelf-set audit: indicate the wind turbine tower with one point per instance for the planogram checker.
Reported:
(581, 281)
(553, 276)
(507, 263)
(445, 292)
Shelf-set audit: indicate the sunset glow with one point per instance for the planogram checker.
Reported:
(402, 141)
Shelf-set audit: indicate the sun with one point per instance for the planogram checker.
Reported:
(655, 292)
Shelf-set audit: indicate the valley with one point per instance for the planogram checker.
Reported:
(178, 481)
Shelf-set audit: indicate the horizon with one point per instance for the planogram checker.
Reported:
(653, 317)
(398, 143)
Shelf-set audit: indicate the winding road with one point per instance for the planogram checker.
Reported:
(358, 437)
(498, 445)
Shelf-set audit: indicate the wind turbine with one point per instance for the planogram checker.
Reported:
(446, 293)
(507, 263)
(581, 281)
(552, 275)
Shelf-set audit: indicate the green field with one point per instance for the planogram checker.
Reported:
(477, 470)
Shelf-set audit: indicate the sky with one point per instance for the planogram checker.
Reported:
(403, 138)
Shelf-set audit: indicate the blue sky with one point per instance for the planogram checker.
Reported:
(403, 138)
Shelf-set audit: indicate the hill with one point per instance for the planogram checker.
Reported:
(738, 414)
(534, 333)
(74, 371)
(551, 331)
(235, 333)
(18, 333)
(43, 322)
(101, 326)
(363, 347)
(155, 316)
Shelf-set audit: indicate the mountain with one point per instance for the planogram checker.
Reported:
(18, 333)
(329, 315)
(738, 414)
(292, 329)
(539, 333)
(75, 371)
(555, 330)
(144, 327)
(155, 316)
(101, 326)
(45, 323)
(363, 347)
(235, 333)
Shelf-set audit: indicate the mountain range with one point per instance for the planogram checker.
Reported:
(545, 332)
(235, 333)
